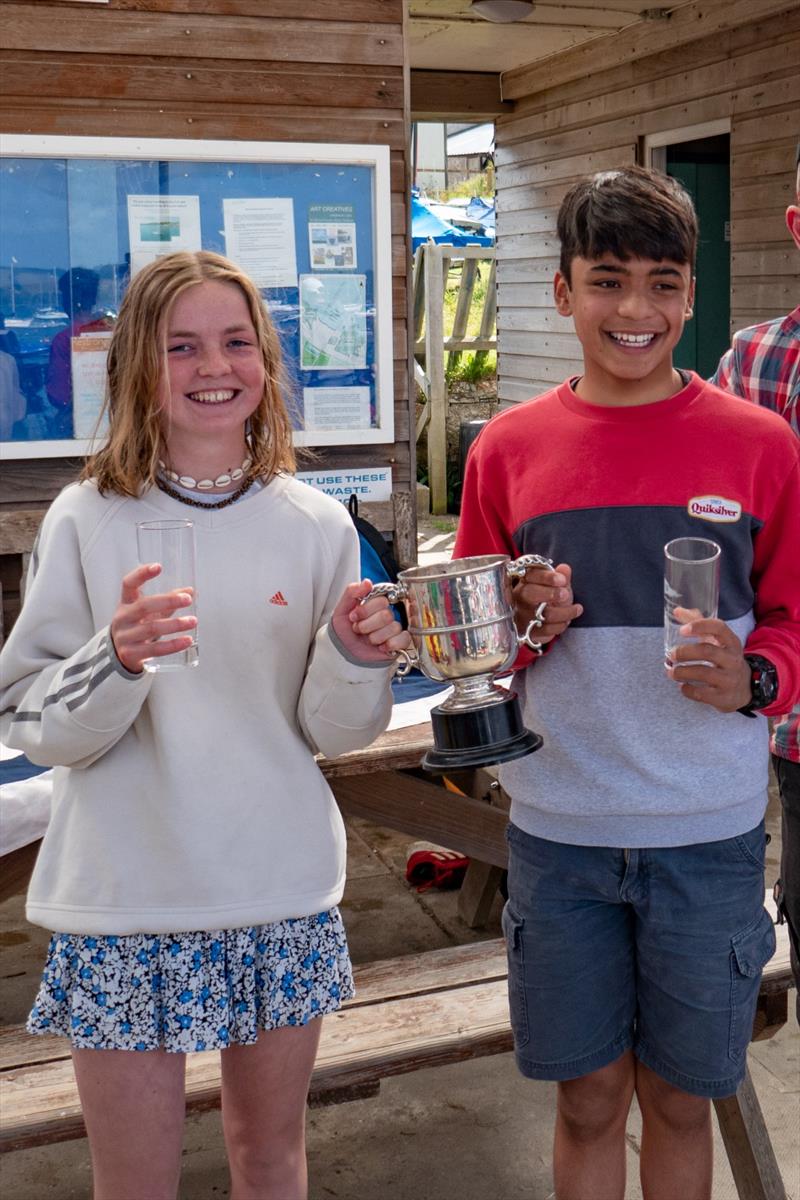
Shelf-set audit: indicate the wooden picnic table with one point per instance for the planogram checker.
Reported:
(384, 785)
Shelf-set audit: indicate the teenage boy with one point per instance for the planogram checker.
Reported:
(763, 365)
(635, 922)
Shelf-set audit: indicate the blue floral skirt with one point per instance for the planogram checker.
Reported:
(192, 991)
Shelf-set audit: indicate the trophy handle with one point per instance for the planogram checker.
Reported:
(406, 659)
(392, 591)
(517, 569)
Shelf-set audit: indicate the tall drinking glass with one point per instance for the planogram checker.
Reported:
(171, 543)
(691, 581)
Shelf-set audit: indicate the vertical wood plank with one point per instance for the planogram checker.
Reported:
(753, 1164)
(489, 315)
(419, 291)
(434, 364)
(466, 290)
(405, 527)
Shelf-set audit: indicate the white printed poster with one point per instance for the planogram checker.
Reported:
(89, 355)
(332, 237)
(336, 408)
(159, 225)
(259, 237)
(333, 322)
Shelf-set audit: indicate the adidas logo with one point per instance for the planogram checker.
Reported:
(279, 599)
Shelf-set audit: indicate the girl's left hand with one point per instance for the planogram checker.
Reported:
(368, 632)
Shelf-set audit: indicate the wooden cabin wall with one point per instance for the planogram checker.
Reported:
(262, 70)
(748, 74)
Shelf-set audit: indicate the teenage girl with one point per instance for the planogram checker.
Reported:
(195, 856)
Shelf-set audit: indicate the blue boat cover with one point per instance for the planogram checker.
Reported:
(426, 227)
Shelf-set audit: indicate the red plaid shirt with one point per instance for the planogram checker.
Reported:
(763, 365)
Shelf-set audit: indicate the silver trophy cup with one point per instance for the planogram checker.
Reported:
(462, 624)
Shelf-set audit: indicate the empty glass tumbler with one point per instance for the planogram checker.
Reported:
(691, 582)
(171, 543)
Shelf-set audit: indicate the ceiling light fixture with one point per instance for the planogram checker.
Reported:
(502, 10)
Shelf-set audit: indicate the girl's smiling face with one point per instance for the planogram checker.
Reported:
(215, 371)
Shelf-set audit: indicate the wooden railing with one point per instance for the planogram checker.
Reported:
(432, 267)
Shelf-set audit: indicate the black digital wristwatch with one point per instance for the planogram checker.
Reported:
(763, 684)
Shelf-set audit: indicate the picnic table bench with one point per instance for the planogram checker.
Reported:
(412, 1012)
(416, 1011)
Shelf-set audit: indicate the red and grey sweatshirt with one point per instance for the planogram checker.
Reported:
(628, 760)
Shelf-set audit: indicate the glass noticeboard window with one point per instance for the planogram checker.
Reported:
(309, 223)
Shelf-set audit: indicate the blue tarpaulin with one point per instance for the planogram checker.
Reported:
(481, 210)
(426, 226)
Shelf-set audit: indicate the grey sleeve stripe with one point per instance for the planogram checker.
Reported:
(86, 666)
(88, 687)
(95, 681)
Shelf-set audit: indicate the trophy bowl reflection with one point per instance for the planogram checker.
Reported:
(462, 624)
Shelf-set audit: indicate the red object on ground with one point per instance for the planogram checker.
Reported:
(431, 866)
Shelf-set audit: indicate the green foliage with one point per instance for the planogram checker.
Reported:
(471, 367)
(477, 185)
(451, 291)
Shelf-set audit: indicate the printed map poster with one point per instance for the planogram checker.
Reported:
(89, 354)
(336, 408)
(333, 322)
(159, 225)
(332, 237)
(259, 237)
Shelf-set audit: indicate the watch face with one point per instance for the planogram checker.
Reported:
(763, 680)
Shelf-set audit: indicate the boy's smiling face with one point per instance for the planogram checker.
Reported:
(629, 316)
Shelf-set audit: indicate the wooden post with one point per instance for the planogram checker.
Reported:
(434, 369)
(434, 365)
(418, 276)
(753, 1165)
(405, 528)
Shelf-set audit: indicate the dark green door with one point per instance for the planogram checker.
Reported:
(706, 338)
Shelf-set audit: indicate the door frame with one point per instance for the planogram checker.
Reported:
(655, 144)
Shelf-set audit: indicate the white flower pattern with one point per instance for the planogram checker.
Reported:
(192, 991)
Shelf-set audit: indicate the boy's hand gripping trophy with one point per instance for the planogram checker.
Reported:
(462, 624)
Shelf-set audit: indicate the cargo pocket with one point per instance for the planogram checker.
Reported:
(751, 951)
(513, 929)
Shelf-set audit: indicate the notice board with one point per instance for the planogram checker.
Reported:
(79, 216)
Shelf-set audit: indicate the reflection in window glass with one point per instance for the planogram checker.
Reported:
(72, 230)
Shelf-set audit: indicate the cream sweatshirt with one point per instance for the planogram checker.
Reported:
(190, 800)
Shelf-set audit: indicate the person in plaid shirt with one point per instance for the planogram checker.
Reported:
(763, 365)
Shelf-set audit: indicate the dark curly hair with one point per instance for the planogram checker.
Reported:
(630, 213)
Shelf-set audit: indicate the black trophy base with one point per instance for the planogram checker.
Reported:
(479, 737)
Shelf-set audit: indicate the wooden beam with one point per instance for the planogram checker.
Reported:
(686, 24)
(425, 810)
(172, 35)
(747, 1142)
(456, 96)
(18, 529)
(65, 77)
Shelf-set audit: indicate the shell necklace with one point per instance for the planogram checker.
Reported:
(205, 485)
(223, 503)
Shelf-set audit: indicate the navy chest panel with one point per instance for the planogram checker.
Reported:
(617, 558)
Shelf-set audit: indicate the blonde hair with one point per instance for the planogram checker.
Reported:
(136, 367)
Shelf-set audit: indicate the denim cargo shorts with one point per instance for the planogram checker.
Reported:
(659, 950)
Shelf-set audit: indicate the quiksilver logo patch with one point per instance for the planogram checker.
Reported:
(714, 508)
